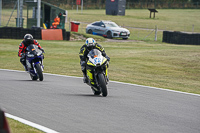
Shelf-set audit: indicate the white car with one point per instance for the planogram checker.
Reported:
(107, 29)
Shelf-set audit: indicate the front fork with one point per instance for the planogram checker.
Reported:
(96, 79)
(41, 65)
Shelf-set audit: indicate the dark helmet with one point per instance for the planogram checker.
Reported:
(28, 39)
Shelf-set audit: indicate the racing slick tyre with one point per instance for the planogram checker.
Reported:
(95, 92)
(124, 38)
(102, 84)
(39, 72)
(109, 34)
(90, 31)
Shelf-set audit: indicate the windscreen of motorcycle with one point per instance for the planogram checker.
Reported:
(95, 57)
(33, 49)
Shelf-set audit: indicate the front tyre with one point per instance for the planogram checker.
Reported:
(102, 84)
(39, 72)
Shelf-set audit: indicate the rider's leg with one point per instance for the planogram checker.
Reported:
(84, 73)
(90, 76)
(23, 61)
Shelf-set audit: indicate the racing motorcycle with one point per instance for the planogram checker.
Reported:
(96, 70)
(34, 62)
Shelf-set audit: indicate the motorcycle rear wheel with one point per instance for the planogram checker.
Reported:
(102, 84)
(39, 71)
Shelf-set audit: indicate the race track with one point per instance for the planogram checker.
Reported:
(67, 105)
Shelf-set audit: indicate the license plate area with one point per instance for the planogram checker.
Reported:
(123, 33)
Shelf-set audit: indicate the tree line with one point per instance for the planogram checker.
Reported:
(70, 2)
(103, 1)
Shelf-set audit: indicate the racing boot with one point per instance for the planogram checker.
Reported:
(107, 79)
(23, 61)
(85, 79)
(25, 67)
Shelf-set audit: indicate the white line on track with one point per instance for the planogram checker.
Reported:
(42, 128)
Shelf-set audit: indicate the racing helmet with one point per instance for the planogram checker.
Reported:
(90, 42)
(28, 38)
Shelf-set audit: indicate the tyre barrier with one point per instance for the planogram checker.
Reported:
(18, 33)
(181, 37)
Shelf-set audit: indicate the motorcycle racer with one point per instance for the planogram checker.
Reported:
(90, 44)
(28, 39)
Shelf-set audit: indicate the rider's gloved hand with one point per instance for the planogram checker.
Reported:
(83, 64)
(108, 58)
(42, 50)
(22, 55)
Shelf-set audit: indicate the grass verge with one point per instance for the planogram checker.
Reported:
(162, 65)
(17, 127)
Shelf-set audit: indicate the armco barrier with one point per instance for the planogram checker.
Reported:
(181, 37)
(18, 33)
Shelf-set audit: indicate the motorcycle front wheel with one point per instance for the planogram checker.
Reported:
(102, 84)
(39, 71)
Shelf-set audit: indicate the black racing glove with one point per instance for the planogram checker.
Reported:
(23, 55)
(108, 58)
(83, 65)
(42, 50)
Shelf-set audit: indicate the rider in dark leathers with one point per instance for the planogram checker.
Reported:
(28, 39)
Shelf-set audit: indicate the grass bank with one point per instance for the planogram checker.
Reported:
(166, 19)
(170, 66)
(139, 23)
(17, 127)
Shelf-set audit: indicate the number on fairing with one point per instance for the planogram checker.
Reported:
(97, 60)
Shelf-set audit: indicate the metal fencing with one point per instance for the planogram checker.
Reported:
(9, 16)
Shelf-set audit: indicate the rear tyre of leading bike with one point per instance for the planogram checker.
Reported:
(102, 84)
(39, 72)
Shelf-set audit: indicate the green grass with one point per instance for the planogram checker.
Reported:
(170, 66)
(166, 19)
(17, 127)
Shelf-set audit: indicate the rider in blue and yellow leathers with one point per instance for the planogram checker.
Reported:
(90, 44)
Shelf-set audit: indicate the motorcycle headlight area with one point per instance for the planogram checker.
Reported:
(97, 61)
(38, 54)
(30, 55)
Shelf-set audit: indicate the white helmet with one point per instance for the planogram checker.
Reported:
(90, 42)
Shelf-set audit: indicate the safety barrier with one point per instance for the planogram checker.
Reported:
(18, 33)
(181, 37)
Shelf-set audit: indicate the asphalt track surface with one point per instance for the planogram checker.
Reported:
(67, 105)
